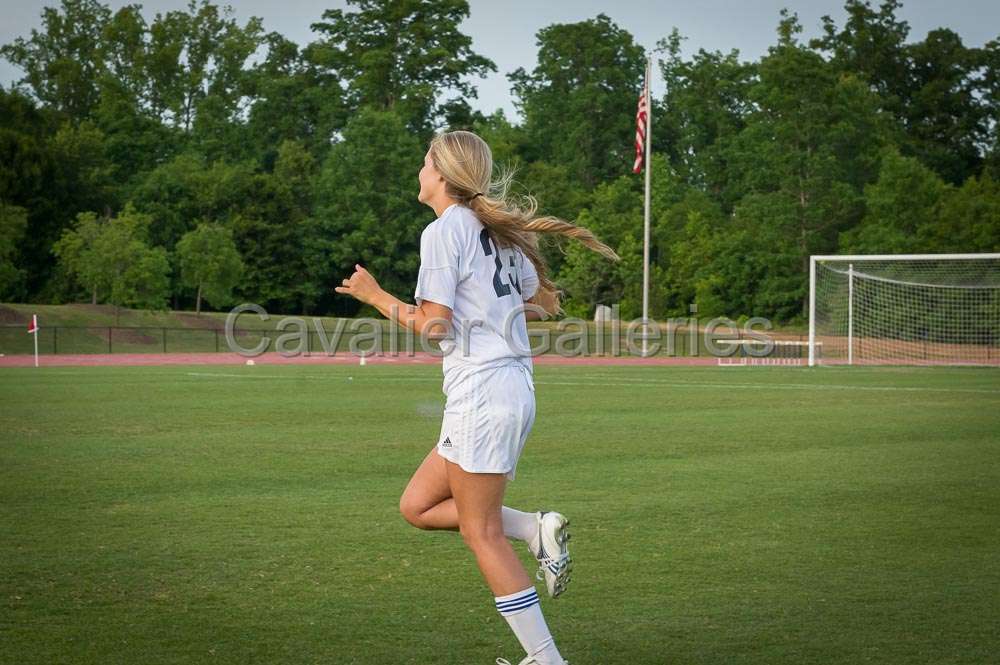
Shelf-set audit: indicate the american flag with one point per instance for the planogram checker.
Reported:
(640, 129)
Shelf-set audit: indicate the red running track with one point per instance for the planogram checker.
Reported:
(122, 359)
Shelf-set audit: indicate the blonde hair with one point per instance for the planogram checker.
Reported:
(465, 162)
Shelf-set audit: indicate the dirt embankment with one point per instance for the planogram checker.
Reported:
(9, 317)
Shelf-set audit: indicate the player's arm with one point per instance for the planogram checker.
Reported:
(530, 313)
(537, 297)
(433, 317)
(429, 316)
(546, 300)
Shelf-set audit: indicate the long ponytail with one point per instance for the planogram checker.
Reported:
(465, 161)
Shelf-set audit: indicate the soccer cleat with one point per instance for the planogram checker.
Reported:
(527, 661)
(554, 562)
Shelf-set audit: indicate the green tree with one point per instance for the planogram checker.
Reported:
(872, 46)
(13, 223)
(367, 210)
(810, 145)
(990, 84)
(766, 237)
(110, 255)
(125, 56)
(201, 56)
(218, 130)
(188, 188)
(82, 171)
(904, 201)
(969, 219)
(734, 265)
(399, 55)
(133, 142)
(52, 168)
(292, 100)
(614, 211)
(506, 140)
(77, 258)
(63, 62)
(697, 259)
(911, 210)
(143, 280)
(579, 102)
(129, 111)
(705, 106)
(615, 215)
(556, 193)
(937, 90)
(947, 122)
(210, 263)
(27, 182)
(272, 232)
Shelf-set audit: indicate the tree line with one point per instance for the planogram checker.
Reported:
(187, 157)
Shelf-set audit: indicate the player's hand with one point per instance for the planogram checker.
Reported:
(361, 285)
(548, 300)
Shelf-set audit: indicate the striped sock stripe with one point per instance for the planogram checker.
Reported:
(519, 601)
(515, 610)
(516, 597)
(509, 605)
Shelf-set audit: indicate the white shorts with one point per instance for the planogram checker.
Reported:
(487, 420)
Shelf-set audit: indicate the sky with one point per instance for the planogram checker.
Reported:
(505, 31)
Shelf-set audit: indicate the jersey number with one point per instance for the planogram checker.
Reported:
(499, 285)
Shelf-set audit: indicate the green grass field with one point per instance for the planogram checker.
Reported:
(249, 515)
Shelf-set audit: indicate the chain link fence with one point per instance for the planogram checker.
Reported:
(598, 340)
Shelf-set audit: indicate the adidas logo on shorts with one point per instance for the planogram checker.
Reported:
(446, 443)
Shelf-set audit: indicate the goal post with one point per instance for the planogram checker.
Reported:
(904, 309)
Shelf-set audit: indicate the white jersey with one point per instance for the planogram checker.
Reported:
(485, 286)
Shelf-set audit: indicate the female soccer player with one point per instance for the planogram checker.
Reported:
(479, 265)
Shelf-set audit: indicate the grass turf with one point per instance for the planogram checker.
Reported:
(249, 515)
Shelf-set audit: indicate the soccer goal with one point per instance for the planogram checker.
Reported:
(906, 309)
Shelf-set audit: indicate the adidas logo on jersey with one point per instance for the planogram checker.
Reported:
(446, 443)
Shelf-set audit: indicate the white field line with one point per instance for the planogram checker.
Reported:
(793, 386)
(245, 376)
(775, 386)
(639, 382)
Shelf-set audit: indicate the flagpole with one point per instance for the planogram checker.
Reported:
(645, 231)
(34, 322)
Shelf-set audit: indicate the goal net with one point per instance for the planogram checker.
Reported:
(918, 309)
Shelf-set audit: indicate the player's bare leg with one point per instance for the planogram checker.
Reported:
(426, 502)
(478, 499)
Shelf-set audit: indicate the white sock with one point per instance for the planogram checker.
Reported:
(524, 616)
(519, 525)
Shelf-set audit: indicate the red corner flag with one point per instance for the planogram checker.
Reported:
(640, 129)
